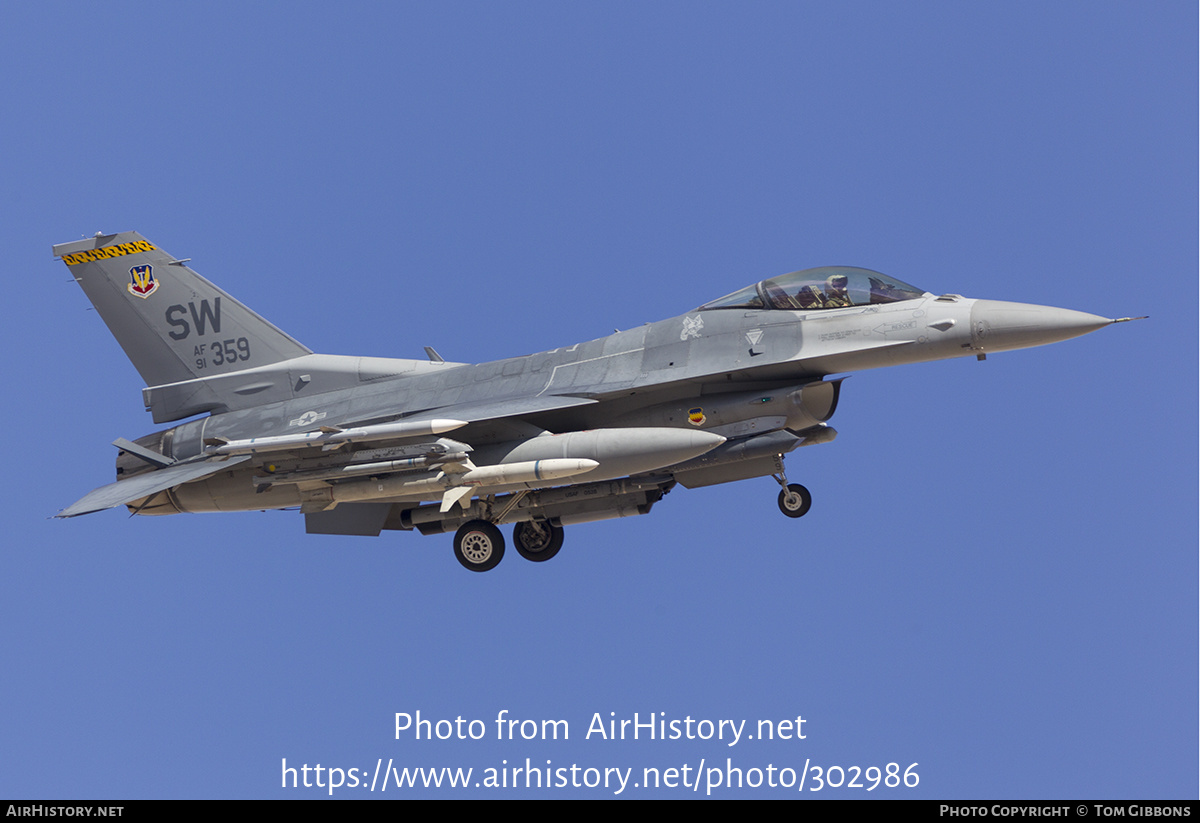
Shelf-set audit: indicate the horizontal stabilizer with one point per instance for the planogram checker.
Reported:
(144, 485)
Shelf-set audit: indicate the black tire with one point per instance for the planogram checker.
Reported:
(537, 540)
(795, 500)
(478, 545)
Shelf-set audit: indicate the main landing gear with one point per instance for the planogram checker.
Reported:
(479, 545)
(794, 499)
(537, 540)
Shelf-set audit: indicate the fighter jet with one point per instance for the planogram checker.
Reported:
(593, 431)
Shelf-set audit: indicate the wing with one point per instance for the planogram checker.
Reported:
(492, 409)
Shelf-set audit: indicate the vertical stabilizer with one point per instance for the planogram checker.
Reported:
(172, 323)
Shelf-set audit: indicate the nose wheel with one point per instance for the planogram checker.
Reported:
(794, 499)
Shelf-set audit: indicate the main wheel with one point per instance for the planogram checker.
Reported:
(478, 545)
(795, 500)
(537, 540)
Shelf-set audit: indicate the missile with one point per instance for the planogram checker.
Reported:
(619, 452)
(530, 473)
(443, 445)
(410, 464)
(330, 437)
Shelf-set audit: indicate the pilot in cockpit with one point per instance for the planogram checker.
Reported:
(835, 292)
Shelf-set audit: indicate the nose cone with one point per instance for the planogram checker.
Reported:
(999, 326)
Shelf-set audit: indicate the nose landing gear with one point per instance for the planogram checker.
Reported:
(794, 499)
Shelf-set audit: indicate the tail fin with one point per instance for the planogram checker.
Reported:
(172, 323)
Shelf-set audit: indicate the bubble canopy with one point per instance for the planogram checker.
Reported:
(827, 287)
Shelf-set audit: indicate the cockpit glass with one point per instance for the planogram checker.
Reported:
(747, 298)
(828, 287)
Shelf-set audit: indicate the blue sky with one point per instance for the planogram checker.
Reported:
(998, 580)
